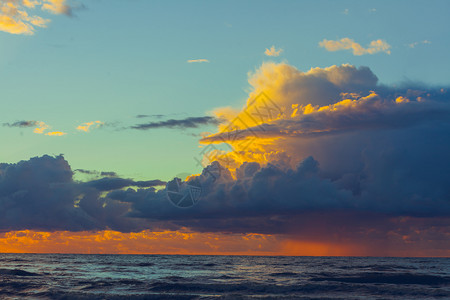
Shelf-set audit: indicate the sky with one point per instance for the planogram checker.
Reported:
(309, 127)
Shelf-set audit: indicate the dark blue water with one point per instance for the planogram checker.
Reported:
(62, 276)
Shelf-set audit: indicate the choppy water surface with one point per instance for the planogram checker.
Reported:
(63, 276)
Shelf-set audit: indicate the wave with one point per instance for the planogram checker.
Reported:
(17, 272)
(284, 274)
(405, 278)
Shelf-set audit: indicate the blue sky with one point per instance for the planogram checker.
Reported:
(113, 60)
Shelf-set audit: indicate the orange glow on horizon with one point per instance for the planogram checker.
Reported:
(177, 242)
(144, 242)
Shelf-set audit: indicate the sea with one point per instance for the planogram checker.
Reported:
(75, 276)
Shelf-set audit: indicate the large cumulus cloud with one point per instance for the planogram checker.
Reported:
(338, 153)
(335, 156)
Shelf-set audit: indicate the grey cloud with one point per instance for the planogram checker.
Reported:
(108, 174)
(109, 184)
(41, 194)
(149, 116)
(22, 124)
(191, 122)
(97, 173)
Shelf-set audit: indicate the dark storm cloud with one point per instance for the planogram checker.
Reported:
(191, 122)
(109, 184)
(41, 194)
(22, 124)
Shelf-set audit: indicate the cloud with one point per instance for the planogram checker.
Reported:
(97, 173)
(144, 242)
(191, 122)
(325, 156)
(56, 133)
(349, 44)
(344, 116)
(86, 127)
(201, 60)
(108, 174)
(22, 124)
(41, 127)
(55, 6)
(109, 184)
(40, 193)
(273, 52)
(363, 149)
(15, 17)
(149, 116)
(413, 45)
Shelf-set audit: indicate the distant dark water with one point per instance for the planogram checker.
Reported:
(62, 276)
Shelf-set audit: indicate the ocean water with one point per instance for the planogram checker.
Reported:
(66, 276)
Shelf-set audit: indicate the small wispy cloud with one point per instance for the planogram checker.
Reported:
(56, 133)
(345, 12)
(150, 116)
(41, 127)
(373, 10)
(200, 60)
(86, 127)
(413, 45)
(17, 17)
(349, 44)
(22, 124)
(97, 173)
(273, 51)
(191, 122)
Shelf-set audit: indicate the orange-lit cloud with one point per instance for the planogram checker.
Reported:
(55, 6)
(201, 60)
(87, 126)
(15, 15)
(286, 103)
(144, 242)
(279, 92)
(56, 133)
(273, 51)
(41, 127)
(349, 44)
(186, 242)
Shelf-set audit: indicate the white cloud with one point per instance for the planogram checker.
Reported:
(349, 44)
(413, 45)
(200, 60)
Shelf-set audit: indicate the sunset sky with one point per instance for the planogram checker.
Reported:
(311, 127)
